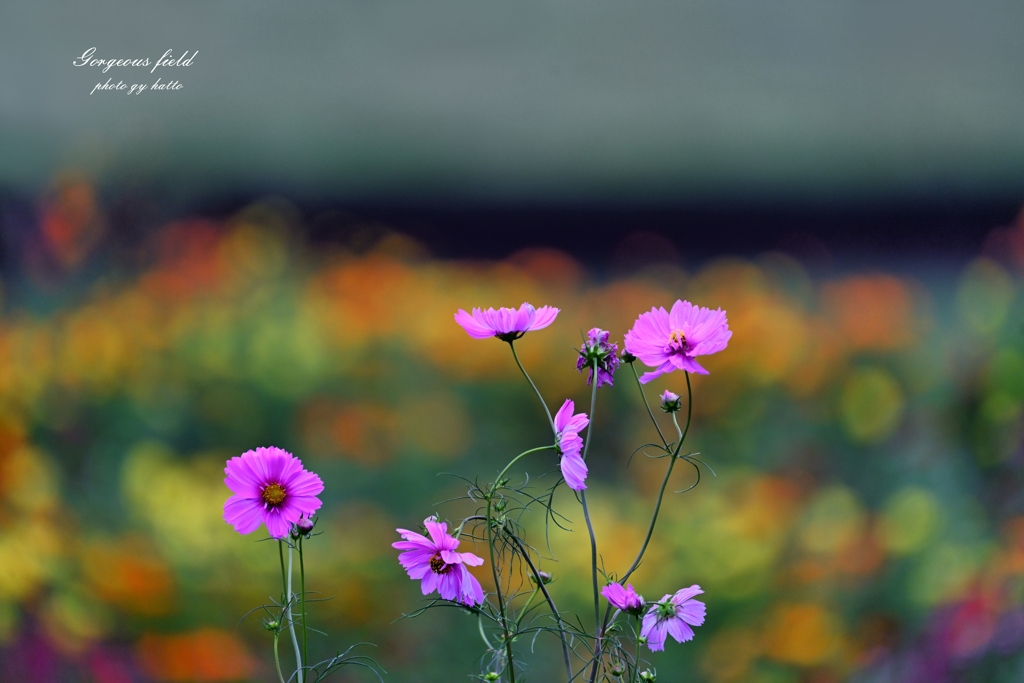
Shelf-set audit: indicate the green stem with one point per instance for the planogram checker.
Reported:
(284, 580)
(516, 459)
(501, 600)
(590, 529)
(522, 611)
(551, 603)
(649, 411)
(480, 626)
(636, 663)
(277, 657)
(291, 623)
(302, 598)
(664, 483)
(661, 493)
(535, 390)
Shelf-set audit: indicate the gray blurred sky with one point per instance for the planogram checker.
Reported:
(527, 99)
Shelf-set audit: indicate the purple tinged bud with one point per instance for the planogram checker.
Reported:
(670, 402)
(648, 676)
(545, 578)
(303, 527)
(624, 598)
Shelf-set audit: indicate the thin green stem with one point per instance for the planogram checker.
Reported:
(302, 598)
(291, 622)
(516, 459)
(284, 580)
(664, 483)
(590, 529)
(661, 492)
(277, 657)
(501, 601)
(547, 412)
(636, 663)
(480, 626)
(524, 608)
(650, 412)
(551, 603)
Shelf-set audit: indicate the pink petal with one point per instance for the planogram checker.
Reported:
(574, 470)
(545, 316)
(277, 525)
(678, 629)
(472, 593)
(471, 559)
(563, 415)
(667, 366)
(430, 583)
(692, 612)
(523, 318)
(474, 328)
(243, 513)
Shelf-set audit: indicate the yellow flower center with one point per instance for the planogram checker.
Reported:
(273, 494)
(677, 337)
(437, 565)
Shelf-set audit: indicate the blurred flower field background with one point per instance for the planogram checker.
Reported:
(867, 430)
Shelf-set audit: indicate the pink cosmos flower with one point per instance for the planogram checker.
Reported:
(597, 349)
(625, 599)
(569, 442)
(674, 615)
(270, 486)
(670, 341)
(507, 324)
(435, 561)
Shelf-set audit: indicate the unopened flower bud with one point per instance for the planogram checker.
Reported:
(303, 527)
(617, 669)
(491, 676)
(545, 578)
(648, 675)
(670, 402)
(272, 624)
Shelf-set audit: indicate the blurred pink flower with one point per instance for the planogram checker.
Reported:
(674, 615)
(625, 599)
(670, 341)
(435, 561)
(270, 486)
(569, 442)
(507, 324)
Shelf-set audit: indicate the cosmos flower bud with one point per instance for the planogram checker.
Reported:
(648, 675)
(272, 624)
(303, 527)
(670, 402)
(624, 598)
(492, 676)
(617, 669)
(545, 578)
